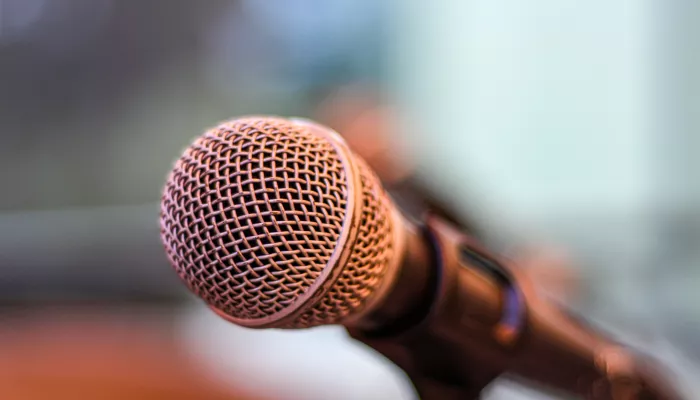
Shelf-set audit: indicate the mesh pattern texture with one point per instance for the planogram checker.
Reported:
(252, 213)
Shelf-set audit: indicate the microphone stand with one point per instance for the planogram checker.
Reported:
(481, 318)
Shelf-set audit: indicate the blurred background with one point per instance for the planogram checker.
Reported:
(562, 131)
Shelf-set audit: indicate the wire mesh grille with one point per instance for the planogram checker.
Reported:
(254, 209)
(251, 214)
(367, 263)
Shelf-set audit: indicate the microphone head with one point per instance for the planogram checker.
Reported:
(276, 223)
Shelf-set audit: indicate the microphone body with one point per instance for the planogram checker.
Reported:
(476, 317)
(275, 223)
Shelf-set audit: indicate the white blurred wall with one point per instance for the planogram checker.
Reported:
(545, 105)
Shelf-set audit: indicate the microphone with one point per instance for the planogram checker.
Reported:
(276, 223)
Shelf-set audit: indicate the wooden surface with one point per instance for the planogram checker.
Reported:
(74, 355)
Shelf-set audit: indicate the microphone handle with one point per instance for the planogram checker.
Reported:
(479, 318)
